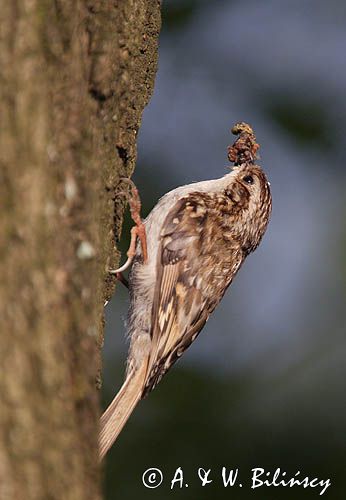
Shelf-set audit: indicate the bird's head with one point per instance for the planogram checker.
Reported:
(249, 188)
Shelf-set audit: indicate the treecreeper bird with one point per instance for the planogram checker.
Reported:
(191, 246)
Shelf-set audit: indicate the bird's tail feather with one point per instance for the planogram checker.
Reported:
(120, 409)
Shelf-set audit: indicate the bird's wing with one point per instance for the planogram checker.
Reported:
(191, 279)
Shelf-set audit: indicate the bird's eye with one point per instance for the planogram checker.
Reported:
(248, 179)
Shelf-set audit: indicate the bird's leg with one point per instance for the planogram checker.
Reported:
(135, 209)
(137, 231)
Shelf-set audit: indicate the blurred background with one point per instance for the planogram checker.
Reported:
(264, 384)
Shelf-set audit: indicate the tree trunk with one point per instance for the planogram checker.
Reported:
(75, 77)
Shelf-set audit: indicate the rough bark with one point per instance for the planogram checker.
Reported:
(75, 77)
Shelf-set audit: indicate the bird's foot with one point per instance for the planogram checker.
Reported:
(137, 231)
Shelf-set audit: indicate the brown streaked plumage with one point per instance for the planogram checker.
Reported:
(198, 237)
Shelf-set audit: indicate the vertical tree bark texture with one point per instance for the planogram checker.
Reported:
(75, 77)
